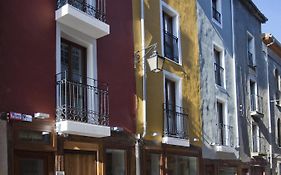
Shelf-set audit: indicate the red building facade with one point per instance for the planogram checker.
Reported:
(68, 65)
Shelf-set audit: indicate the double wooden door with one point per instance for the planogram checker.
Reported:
(80, 163)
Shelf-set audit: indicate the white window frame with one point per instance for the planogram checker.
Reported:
(258, 137)
(252, 48)
(252, 79)
(164, 7)
(225, 118)
(219, 9)
(220, 49)
(178, 86)
(90, 44)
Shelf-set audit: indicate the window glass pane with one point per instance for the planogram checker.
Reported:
(153, 164)
(181, 165)
(115, 162)
(31, 167)
(35, 136)
(227, 171)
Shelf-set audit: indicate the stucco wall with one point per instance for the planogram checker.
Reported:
(209, 35)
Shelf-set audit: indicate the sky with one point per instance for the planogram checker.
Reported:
(272, 10)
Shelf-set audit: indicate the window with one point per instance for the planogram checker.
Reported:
(153, 166)
(253, 95)
(73, 67)
(251, 51)
(219, 71)
(279, 132)
(175, 117)
(170, 27)
(220, 117)
(278, 87)
(178, 164)
(216, 11)
(115, 162)
(256, 137)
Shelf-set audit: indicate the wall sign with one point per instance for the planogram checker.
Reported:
(19, 117)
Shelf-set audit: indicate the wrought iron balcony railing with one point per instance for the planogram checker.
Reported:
(97, 11)
(256, 103)
(216, 15)
(224, 135)
(219, 71)
(171, 46)
(81, 99)
(251, 60)
(175, 121)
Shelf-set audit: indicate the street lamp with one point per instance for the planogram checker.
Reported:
(155, 61)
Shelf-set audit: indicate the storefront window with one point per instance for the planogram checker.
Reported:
(153, 164)
(181, 165)
(115, 162)
(227, 171)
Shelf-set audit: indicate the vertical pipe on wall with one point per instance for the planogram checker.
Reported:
(268, 107)
(139, 137)
(234, 73)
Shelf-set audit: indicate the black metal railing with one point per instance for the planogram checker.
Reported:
(97, 11)
(251, 60)
(175, 121)
(224, 135)
(81, 99)
(216, 15)
(171, 46)
(219, 74)
(256, 103)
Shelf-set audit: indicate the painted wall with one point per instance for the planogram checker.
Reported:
(27, 56)
(116, 64)
(274, 62)
(211, 35)
(188, 71)
(245, 22)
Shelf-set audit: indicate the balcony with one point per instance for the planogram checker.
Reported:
(224, 141)
(175, 126)
(82, 106)
(256, 106)
(251, 62)
(83, 17)
(219, 71)
(216, 15)
(171, 46)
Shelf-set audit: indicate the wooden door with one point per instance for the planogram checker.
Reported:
(80, 163)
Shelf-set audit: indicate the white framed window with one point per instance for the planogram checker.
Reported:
(251, 50)
(254, 105)
(224, 130)
(170, 33)
(219, 68)
(175, 116)
(255, 137)
(217, 12)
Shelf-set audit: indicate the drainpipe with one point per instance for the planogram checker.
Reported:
(139, 137)
(234, 74)
(269, 112)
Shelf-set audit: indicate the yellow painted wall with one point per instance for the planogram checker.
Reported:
(188, 71)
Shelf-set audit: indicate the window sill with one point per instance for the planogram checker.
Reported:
(177, 63)
(221, 88)
(217, 23)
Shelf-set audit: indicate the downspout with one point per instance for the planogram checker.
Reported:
(234, 74)
(269, 112)
(139, 137)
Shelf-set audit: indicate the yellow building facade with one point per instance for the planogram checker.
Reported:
(168, 101)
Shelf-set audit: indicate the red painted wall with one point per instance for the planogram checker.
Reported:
(27, 56)
(116, 64)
